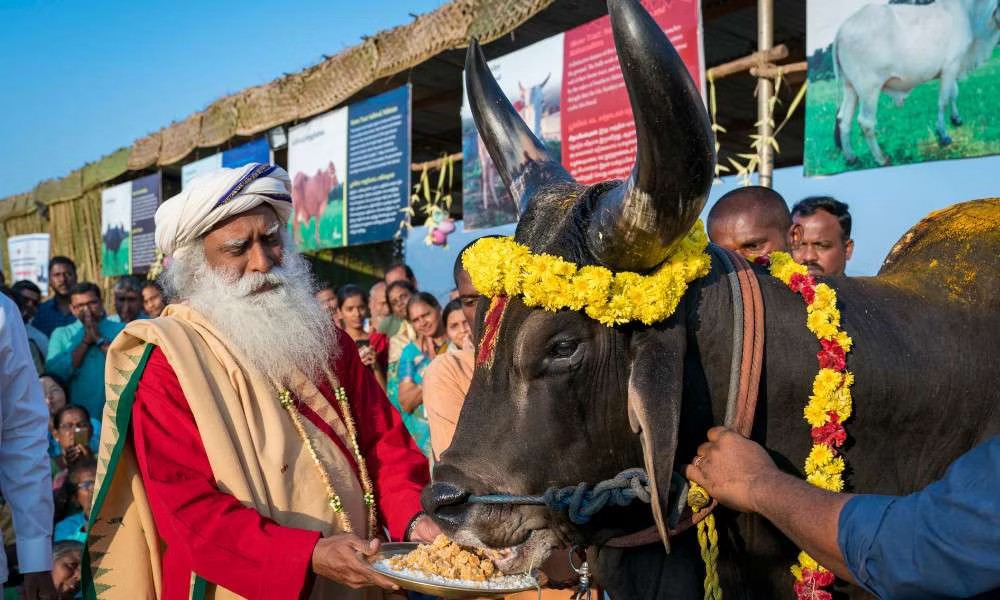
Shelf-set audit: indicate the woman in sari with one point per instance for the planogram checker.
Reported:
(424, 314)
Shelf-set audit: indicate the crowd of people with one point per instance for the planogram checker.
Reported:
(419, 355)
(67, 336)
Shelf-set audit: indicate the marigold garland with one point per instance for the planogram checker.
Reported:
(503, 267)
(828, 407)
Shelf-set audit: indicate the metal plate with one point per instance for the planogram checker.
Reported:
(441, 590)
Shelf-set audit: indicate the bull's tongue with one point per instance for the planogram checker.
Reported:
(504, 557)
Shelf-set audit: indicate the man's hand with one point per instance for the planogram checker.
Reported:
(424, 530)
(728, 466)
(341, 558)
(38, 586)
(90, 331)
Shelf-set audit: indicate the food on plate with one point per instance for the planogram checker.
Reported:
(445, 558)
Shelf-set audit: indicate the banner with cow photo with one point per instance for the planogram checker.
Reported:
(569, 89)
(128, 244)
(350, 171)
(900, 82)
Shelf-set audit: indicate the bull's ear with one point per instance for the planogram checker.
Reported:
(654, 405)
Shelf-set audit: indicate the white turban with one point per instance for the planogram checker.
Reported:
(216, 196)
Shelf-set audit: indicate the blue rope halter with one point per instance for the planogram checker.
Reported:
(581, 501)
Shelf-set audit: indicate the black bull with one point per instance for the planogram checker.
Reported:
(565, 396)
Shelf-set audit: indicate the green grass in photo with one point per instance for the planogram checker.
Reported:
(115, 263)
(906, 133)
(329, 231)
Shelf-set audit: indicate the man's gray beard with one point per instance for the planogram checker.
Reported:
(280, 331)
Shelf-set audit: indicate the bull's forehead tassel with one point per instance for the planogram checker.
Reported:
(503, 267)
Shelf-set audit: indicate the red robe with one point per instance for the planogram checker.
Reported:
(209, 532)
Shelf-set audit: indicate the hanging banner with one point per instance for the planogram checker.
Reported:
(569, 89)
(29, 258)
(127, 226)
(900, 83)
(350, 171)
(256, 151)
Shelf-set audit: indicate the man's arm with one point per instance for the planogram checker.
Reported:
(59, 359)
(226, 542)
(942, 541)
(397, 468)
(25, 478)
(739, 474)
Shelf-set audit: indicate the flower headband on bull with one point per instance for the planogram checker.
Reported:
(621, 251)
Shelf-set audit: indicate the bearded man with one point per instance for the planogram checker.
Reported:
(248, 448)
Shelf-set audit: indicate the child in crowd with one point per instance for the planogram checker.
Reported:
(79, 488)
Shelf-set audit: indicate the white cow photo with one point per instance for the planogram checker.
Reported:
(862, 52)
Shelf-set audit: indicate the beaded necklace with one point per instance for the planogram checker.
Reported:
(333, 498)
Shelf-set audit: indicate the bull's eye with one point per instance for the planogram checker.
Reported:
(563, 349)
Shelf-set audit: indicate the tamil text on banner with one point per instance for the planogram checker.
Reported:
(127, 225)
(350, 171)
(569, 90)
(256, 151)
(29, 258)
(900, 83)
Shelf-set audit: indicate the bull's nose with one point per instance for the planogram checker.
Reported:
(443, 494)
(445, 502)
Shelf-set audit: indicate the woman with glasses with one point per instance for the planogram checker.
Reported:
(73, 432)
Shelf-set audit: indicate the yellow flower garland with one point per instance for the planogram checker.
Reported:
(501, 266)
(830, 403)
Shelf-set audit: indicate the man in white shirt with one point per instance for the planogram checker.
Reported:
(25, 479)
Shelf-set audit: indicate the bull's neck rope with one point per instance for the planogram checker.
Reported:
(502, 267)
(828, 407)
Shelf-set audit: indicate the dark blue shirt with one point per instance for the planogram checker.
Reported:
(940, 542)
(49, 317)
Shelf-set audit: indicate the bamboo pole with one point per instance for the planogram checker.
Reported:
(749, 61)
(765, 89)
(436, 163)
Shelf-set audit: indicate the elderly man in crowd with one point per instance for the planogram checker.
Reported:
(378, 305)
(821, 235)
(128, 299)
(752, 220)
(252, 451)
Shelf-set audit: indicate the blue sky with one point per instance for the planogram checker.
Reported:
(82, 79)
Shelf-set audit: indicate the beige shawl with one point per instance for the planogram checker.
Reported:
(253, 448)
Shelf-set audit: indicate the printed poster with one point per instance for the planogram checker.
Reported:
(128, 227)
(29, 258)
(887, 64)
(569, 89)
(350, 171)
(256, 151)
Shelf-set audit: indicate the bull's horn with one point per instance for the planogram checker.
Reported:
(634, 226)
(520, 158)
